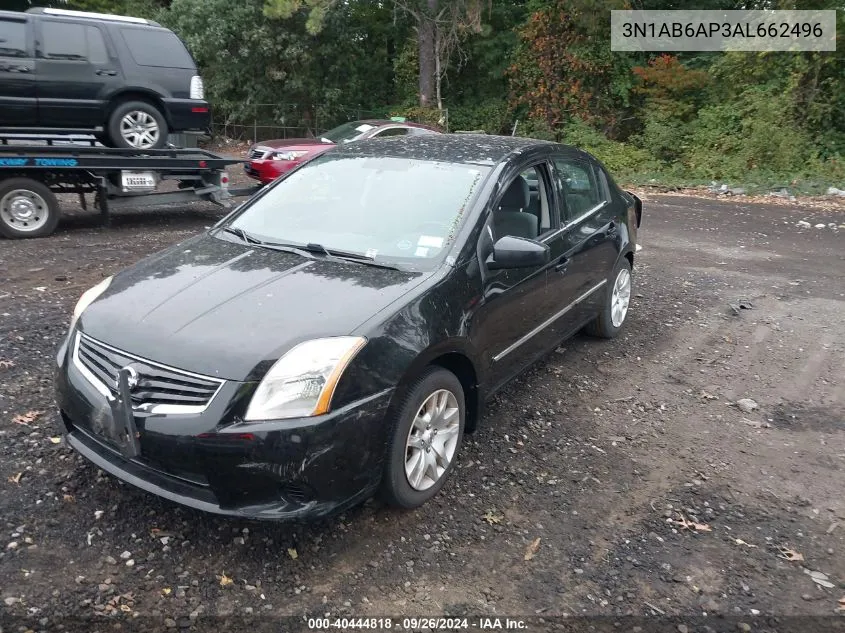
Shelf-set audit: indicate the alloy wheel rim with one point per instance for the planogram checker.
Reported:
(432, 440)
(620, 298)
(24, 210)
(139, 129)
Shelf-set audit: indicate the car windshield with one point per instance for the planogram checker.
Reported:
(347, 132)
(393, 209)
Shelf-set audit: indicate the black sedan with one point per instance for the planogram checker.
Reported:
(339, 333)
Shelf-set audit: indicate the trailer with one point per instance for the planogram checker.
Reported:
(31, 176)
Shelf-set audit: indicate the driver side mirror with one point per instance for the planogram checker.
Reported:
(518, 252)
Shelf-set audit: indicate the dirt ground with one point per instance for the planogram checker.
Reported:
(614, 479)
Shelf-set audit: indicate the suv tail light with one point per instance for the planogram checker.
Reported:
(197, 89)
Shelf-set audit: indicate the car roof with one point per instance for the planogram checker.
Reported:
(386, 122)
(482, 149)
(69, 14)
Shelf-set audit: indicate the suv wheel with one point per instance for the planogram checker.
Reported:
(137, 125)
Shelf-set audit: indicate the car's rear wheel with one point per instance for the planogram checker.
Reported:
(27, 209)
(137, 125)
(617, 300)
(427, 435)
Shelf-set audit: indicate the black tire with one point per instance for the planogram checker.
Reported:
(44, 207)
(116, 139)
(602, 326)
(396, 489)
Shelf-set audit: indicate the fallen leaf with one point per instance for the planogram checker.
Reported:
(824, 583)
(292, 553)
(532, 548)
(789, 554)
(16, 479)
(166, 591)
(6, 364)
(69, 498)
(56, 440)
(685, 524)
(491, 517)
(225, 581)
(28, 417)
(125, 608)
(739, 541)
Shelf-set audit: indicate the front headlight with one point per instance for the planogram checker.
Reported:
(302, 382)
(289, 155)
(88, 297)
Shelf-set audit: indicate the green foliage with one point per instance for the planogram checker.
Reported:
(747, 118)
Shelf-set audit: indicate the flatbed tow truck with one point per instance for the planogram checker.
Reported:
(32, 174)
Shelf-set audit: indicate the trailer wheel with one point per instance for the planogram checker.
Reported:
(27, 209)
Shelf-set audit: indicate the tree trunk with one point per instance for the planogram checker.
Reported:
(428, 54)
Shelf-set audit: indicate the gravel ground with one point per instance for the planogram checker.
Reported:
(617, 478)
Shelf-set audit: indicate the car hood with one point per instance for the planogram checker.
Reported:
(230, 310)
(294, 143)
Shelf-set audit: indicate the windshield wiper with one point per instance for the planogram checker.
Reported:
(273, 246)
(348, 256)
(243, 235)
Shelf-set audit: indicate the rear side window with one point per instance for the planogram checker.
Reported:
(154, 47)
(579, 185)
(13, 39)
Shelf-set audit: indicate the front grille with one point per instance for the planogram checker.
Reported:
(256, 154)
(158, 385)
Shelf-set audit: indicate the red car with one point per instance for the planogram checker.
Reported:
(270, 159)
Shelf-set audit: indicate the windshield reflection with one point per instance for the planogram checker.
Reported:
(391, 209)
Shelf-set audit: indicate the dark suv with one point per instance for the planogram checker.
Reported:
(128, 81)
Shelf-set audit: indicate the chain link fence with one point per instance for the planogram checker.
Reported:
(261, 121)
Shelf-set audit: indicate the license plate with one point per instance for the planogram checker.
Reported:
(138, 180)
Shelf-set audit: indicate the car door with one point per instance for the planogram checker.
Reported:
(17, 73)
(511, 326)
(586, 250)
(77, 71)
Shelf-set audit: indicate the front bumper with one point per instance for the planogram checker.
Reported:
(266, 171)
(286, 469)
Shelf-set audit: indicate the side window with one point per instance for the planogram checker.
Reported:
(580, 187)
(63, 40)
(97, 52)
(13, 39)
(391, 131)
(525, 208)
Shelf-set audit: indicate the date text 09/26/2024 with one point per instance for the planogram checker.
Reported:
(416, 623)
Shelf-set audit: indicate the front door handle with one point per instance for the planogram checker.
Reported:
(612, 229)
(23, 69)
(110, 73)
(562, 264)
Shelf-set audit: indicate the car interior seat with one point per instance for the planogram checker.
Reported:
(513, 217)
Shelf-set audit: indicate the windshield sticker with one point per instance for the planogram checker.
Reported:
(403, 245)
(421, 252)
(371, 253)
(430, 241)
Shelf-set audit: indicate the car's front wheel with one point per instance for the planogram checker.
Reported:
(427, 434)
(617, 299)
